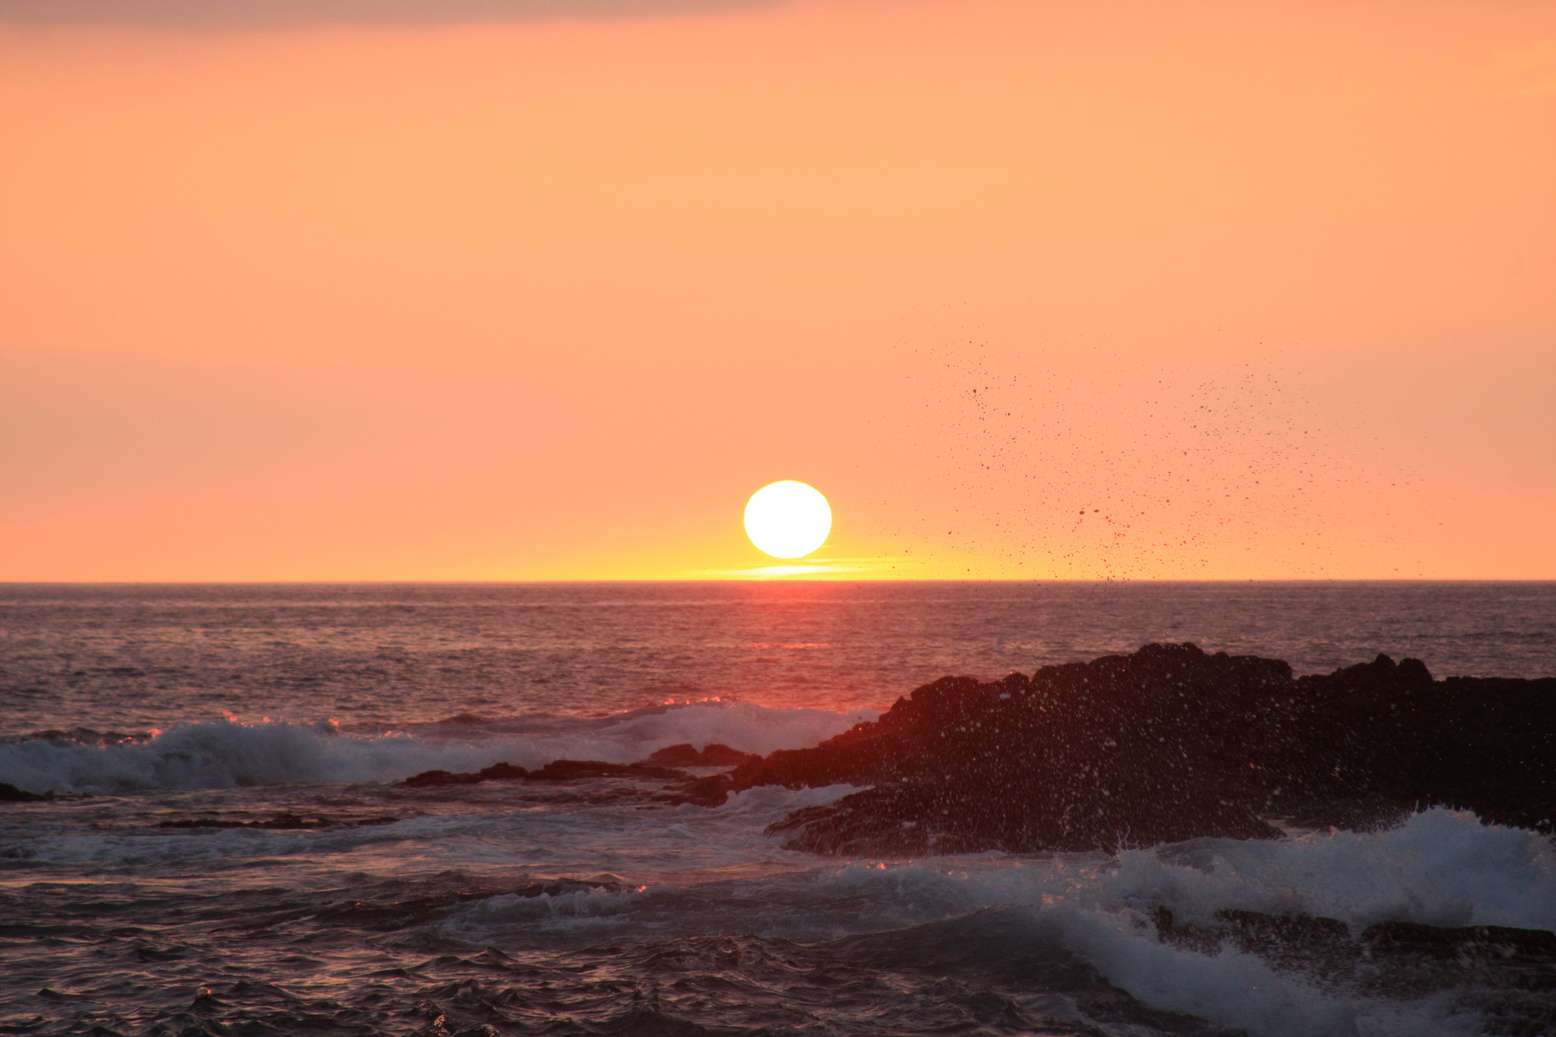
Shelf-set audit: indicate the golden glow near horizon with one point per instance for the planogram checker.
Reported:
(788, 519)
(1124, 290)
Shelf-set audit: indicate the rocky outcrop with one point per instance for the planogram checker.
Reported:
(1162, 745)
(11, 794)
(712, 755)
(556, 770)
(1388, 958)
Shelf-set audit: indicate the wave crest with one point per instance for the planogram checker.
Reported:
(227, 753)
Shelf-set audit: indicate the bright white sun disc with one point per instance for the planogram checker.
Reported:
(788, 519)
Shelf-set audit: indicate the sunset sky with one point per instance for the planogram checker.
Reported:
(487, 290)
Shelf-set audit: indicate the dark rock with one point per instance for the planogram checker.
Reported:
(11, 794)
(1163, 745)
(1495, 942)
(683, 755)
(431, 778)
(556, 770)
(1291, 941)
(571, 770)
(502, 772)
(1399, 957)
(712, 755)
(496, 772)
(717, 755)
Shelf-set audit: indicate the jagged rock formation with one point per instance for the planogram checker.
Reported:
(1159, 746)
(1162, 745)
(1389, 958)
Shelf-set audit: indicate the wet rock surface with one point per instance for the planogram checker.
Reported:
(1162, 745)
(1509, 974)
(712, 755)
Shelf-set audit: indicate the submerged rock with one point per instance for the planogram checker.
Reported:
(1163, 745)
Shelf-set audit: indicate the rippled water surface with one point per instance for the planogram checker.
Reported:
(130, 657)
(229, 848)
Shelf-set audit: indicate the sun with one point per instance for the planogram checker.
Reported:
(788, 519)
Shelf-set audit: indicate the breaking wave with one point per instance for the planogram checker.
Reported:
(227, 754)
(989, 917)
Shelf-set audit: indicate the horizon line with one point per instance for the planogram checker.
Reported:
(757, 580)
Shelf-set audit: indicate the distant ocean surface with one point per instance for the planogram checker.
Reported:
(228, 848)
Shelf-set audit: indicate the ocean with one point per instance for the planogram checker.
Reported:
(212, 833)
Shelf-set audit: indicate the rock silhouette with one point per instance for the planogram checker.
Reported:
(1166, 744)
(556, 770)
(714, 754)
(1389, 958)
(11, 794)
(1162, 745)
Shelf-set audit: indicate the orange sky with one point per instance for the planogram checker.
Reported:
(1114, 290)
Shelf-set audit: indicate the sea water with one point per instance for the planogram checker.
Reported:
(229, 848)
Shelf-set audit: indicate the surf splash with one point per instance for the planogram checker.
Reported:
(228, 754)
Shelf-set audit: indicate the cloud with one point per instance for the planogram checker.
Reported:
(280, 14)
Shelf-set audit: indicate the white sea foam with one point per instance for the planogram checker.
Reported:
(1238, 990)
(226, 754)
(628, 736)
(694, 870)
(1441, 868)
